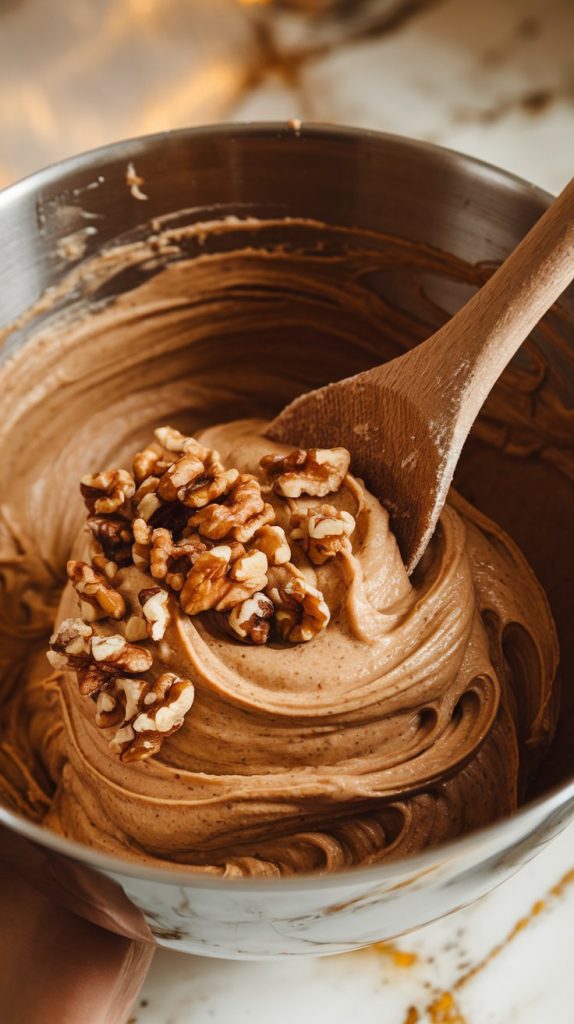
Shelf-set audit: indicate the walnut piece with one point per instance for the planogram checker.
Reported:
(95, 591)
(109, 669)
(247, 531)
(209, 488)
(223, 577)
(115, 654)
(153, 461)
(322, 532)
(154, 602)
(70, 647)
(181, 474)
(173, 441)
(314, 471)
(141, 547)
(161, 712)
(95, 658)
(171, 560)
(250, 619)
(142, 531)
(238, 517)
(145, 462)
(120, 700)
(148, 504)
(147, 486)
(114, 536)
(300, 608)
(271, 540)
(214, 483)
(196, 482)
(70, 644)
(106, 492)
(162, 453)
(90, 679)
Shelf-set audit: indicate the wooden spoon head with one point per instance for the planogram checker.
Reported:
(394, 449)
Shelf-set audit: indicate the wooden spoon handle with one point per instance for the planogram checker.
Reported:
(479, 340)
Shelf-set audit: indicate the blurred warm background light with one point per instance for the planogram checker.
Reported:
(493, 79)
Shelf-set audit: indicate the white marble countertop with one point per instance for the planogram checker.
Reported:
(494, 79)
(504, 960)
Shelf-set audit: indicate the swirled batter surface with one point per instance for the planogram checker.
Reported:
(421, 712)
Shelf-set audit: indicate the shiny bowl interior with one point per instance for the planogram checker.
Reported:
(51, 224)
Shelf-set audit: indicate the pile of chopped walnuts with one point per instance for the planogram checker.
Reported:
(208, 538)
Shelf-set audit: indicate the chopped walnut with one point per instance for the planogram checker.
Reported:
(109, 569)
(238, 517)
(90, 679)
(250, 619)
(142, 544)
(162, 453)
(70, 644)
(142, 531)
(108, 669)
(145, 462)
(147, 505)
(215, 482)
(206, 581)
(173, 441)
(120, 700)
(172, 527)
(114, 536)
(247, 531)
(95, 590)
(196, 482)
(152, 463)
(147, 486)
(154, 510)
(183, 472)
(165, 706)
(107, 492)
(115, 654)
(223, 577)
(271, 540)
(208, 534)
(247, 566)
(141, 547)
(322, 532)
(316, 471)
(300, 608)
(74, 645)
(70, 647)
(154, 602)
(171, 560)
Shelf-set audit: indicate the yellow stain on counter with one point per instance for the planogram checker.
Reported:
(444, 1009)
(412, 1016)
(399, 957)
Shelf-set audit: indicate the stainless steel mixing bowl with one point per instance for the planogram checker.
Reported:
(56, 218)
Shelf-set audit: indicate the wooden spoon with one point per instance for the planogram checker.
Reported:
(405, 422)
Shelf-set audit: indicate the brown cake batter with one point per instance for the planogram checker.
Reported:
(420, 712)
